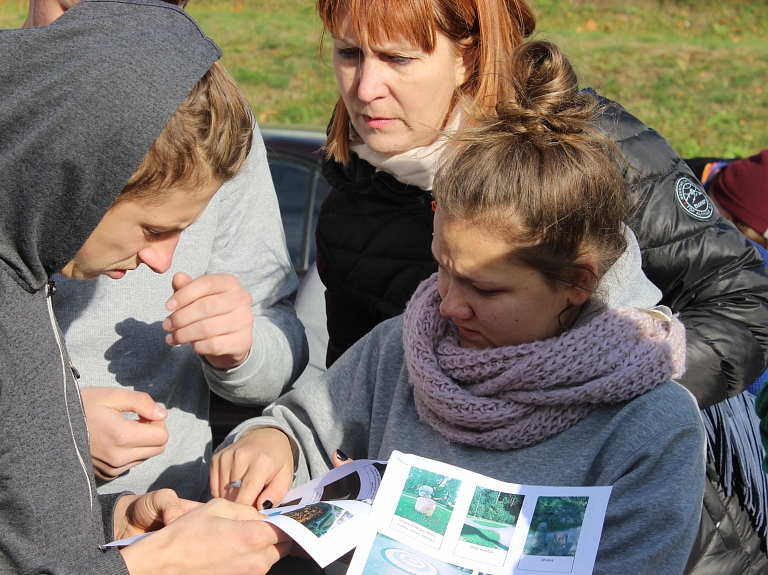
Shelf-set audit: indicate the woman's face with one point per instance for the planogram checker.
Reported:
(396, 94)
(493, 301)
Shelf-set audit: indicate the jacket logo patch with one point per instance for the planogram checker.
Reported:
(693, 199)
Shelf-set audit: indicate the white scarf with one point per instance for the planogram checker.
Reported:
(415, 167)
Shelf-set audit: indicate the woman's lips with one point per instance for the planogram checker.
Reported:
(377, 123)
(468, 333)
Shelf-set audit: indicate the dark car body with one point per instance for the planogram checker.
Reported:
(295, 159)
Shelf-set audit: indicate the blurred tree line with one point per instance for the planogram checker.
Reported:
(496, 506)
(444, 488)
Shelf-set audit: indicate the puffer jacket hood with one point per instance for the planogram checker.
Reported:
(71, 135)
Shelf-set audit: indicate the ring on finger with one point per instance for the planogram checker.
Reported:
(236, 484)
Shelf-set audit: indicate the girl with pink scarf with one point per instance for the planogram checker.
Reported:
(534, 355)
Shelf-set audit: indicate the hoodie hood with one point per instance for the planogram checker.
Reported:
(81, 102)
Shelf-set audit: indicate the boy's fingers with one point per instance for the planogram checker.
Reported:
(124, 400)
(180, 280)
(149, 435)
(230, 510)
(143, 404)
(192, 290)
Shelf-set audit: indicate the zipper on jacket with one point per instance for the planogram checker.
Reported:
(66, 361)
(51, 291)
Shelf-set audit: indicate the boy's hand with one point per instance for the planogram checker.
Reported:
(214, 314)
(261, 462)
(117, 444)
(139, 514)
(218, 538)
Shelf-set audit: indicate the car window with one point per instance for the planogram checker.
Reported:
(292, 187)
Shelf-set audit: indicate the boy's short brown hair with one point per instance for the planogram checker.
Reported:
(206, 140)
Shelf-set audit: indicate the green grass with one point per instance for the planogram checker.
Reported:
(488, 523)
(12, 13)
(437, 523)
(482, 537)
(693, 69)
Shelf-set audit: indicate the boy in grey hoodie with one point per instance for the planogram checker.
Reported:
(235, 333)
(117, 130)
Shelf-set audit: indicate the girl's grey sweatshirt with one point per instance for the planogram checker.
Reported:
(81, 102)
(650, 449)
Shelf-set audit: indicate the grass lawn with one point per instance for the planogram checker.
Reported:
(696, 70)
(437, 523)
(482, 537)
(489, 523)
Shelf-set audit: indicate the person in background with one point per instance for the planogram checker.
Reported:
(221, 318)
(536, 266)
(739, 189)
(90, 117)
(404, 70)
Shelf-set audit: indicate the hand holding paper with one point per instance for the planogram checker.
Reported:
(140, 514)
(261, 460)
(218, 537)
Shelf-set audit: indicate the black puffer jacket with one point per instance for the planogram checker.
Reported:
(374, 236)
(374, 242)
(727, 543)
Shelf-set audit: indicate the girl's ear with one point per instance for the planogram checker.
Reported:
(584, 280)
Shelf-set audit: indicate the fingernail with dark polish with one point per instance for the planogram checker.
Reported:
(341, 455)
(267, 504)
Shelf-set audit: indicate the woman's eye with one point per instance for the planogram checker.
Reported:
(486, 292)
(348, 53)
(395, 59)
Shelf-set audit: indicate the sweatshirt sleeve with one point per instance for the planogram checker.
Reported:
(707, 270)
(110, 562)
(251, 245)
(657, 472)
(328, 412)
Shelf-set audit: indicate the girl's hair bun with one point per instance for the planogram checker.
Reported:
(545, 101)
(540, 169)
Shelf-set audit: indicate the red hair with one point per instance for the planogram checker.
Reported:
(483, 31)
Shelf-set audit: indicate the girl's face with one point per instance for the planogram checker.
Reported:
(397, 95)
(493, 301)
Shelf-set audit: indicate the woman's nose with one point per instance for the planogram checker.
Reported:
(371, 81)
(454, 305)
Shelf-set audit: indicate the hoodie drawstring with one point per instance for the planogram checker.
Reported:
(67, 362)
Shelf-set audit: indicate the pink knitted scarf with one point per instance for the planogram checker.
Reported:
(517, 396)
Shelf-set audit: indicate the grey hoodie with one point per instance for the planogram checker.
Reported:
(81, 102)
